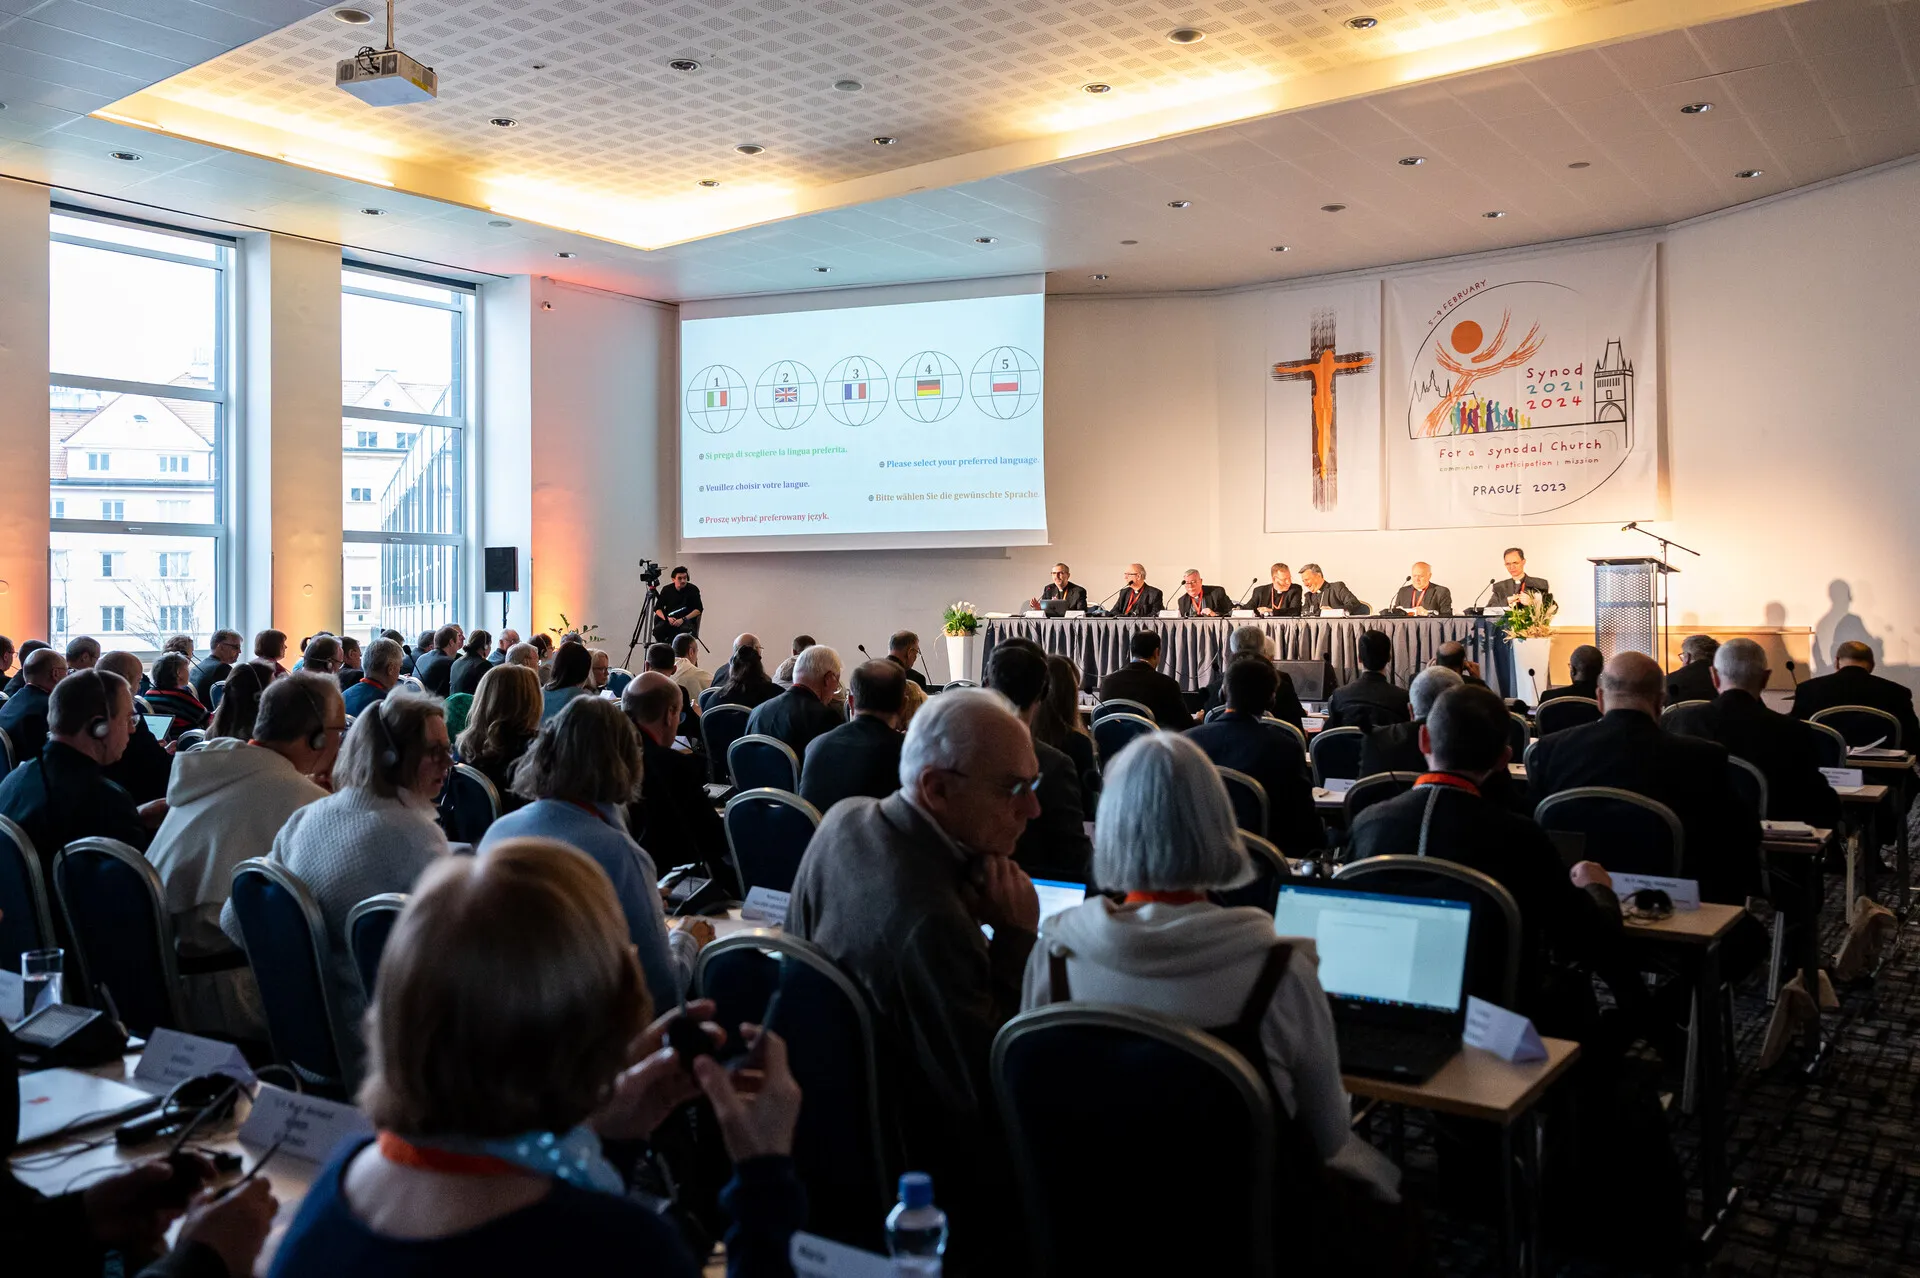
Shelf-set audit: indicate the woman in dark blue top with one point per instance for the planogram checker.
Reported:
(503, 1041)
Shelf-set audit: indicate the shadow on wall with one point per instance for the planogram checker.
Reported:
(1842, 625)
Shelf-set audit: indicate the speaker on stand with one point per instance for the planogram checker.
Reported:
(503, 575)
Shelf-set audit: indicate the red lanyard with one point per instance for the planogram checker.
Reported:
(404, 1153)
(587, 808)
(1165, 898)
(1447, 778)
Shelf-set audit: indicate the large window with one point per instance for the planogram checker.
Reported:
(405, 372)
(139, 329)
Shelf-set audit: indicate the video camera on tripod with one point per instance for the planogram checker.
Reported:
(650, 573)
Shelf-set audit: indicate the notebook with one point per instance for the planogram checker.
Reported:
(54, 1100)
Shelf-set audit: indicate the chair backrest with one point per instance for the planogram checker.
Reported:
(842, 1146)
(1750, 784)
(1526, 760)
(760, 762)
(1561, 713)
(1192, 1103)
(1249, 799)
(6, 753)
(1666, 716)
(768, 831)
(26, 918)
(287, 947)
(468, 805)
(216, 690)
(720, 727)
(1262, 891)
(1624, 831)
(1122, 705)
(1213, 715)
(1862, 725)
(116, 914)
(1274, 721)
(368, 925)
(1519, 734)
(1369, 790)
(707, 695)
(1828, 744)
(1336, 753)
(959, 683)
(190, 739)
(142, 706)
(1493, 936)
(1112, 733)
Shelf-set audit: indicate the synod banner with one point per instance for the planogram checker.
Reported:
(1524, 390)
(1323, 408)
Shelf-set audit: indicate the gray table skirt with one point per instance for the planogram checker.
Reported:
(1191, 650)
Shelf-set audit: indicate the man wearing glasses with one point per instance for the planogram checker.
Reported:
(1062, 587)
(895, 891)
(1138, 599)
(216, 665)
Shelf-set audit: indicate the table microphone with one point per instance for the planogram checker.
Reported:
(1251, 587)
(1790, 672)
(1487, 589)
(1101, 607)
(1396, 610)
(863, 651)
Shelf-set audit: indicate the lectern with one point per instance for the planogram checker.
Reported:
(1630, 606)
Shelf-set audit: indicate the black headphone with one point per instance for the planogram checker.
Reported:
(317, 739)
(389, 756)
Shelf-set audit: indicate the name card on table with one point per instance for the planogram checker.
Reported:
(1075, 612)
(816, 1257)
(765, 905)
(1243, 612)
(1333, 612)
(1169, 614)
(1508, 1035)
(1034, 612)
(1339, 785)
(172, 1058)
(1685, 892)
(304, 1126)
(1844, 778)
(13, 998)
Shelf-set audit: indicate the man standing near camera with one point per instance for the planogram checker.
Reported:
(678, 607)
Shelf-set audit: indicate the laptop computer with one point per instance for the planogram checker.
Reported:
(158, 724)
(1055, 895)
(1394, 968)
(54, 1101)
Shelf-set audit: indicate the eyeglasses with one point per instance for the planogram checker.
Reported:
(1017, 788)
(439, 754)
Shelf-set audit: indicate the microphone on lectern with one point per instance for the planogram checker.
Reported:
(1632, 527)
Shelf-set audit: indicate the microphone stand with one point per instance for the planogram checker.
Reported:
(1666, 613)
(1473, 609)
(1102, 605)
(1251, 587)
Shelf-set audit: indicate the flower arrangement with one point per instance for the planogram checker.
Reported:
(587, 630)
(960, 618)
(1530, 616)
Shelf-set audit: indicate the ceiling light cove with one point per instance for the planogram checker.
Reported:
(643, 224)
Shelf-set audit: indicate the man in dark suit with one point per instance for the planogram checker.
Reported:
(1055, 844)
(434, 669)
(1583, 667)
(1421, 598)
(1137, 598)
(1395, 747)
(64, 794)
(1452, 655)
(862, 755)
(144, 767)
(1251, 643)
(1693, 681)
(805, 710)
(1516, 580)
(1278, 598)
(1062, 587)
(1200, 600)
(1781, 747)
(24, 717)
(672, 819)
(1371, 699)
(1140, 680)
(1853, 683)
(1571, 917)
(903, 649)
(216, 665)
(1628, 749)
(1270, 755)
(1321, 594)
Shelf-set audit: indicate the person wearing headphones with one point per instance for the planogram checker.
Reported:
(64, 794)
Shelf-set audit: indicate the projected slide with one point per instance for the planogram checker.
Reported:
(918, 419)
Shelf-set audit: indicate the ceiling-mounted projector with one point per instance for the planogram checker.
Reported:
(386, 77)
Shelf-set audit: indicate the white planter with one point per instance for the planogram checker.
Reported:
(963, 656)
(1534, 655)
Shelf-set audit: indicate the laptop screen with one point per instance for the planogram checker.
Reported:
(158, 724)
(1057, 895)
(1408, 950)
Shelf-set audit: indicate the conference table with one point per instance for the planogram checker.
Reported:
(1193, 649)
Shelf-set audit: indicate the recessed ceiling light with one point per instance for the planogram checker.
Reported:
(848, 86)
(709, 183)
(1494, 213)
(1333, 208)
(500, 222)
(1749, 173)
(883, 140)
(1581, 164)
(1096, 278)
(353, 17)
(1413, 161)
(128, 156)
(1363, 23)
(821, 270)
(1186, 35)
(1129, 243)
(983, 239)
(1179, 204)
(372, 212)
(683, 64)
(1696, 108)
(750, 148)
(1096, 87)
(1281, 248)
(504, 122)
(565, 253)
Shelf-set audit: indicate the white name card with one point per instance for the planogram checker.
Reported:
(1508, 1035)
(13, 998)
(1075, 612)
(816, 1257)
(172, 1058)
(763, 904)
(1844, 778)
(305, 1126)
(1034, 612)
(1339, 785)
(1333, 612)
(1243, 612)
(1169, 613)
(1685, 892)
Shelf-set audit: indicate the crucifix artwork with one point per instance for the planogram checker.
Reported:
(1321, 367)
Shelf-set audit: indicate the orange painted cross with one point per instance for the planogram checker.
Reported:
(1320, 367)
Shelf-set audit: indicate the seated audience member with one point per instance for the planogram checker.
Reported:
(1565, 916)
(894, 890)
(673, 819)
(27, 649)
(903, 649)
(687, 671)
(323, 655)
(435, 668)
(1627, 748)
(543, 652)
(222, 652)
(65, 794)
(1583, 668)
(182, 644)
(576, 777)
(375, 833)
(240, 702)
(351, 671)
(1059, 722)
(746, 639)
(464, 674)
(1395, 747)
(784, 675)
(83, 651)
(24, 717)
(1055, 844)
(1266, 752)
(1693, 681)
(572, 663)
(457, 706)
(270, 646)
(862, 755)
(1166, 838)
(502, 645)
(602, 677)
(1780, 746)
(172, 696)
(414, 655)
(144, 766)
(1853, 683)
(502, 722)
(525, 654)
(1452, 655)
(226, 803)
(1371, 698)
(1247, 643)
(912, 699)
(1141, 680)
(805, 710)
(518, 958)
(745, 682)
(659, 659)
(383, 672)
(6, 656)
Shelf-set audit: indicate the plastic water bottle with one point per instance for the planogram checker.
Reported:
(916, 1229)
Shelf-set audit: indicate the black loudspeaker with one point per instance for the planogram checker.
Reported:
(1312, 680)
(503, 569)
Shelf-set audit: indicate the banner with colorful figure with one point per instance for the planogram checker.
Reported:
(1323, 408)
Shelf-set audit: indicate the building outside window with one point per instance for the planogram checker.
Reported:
(360, 494)
(113, 620)
(113, 510)
(177, 618)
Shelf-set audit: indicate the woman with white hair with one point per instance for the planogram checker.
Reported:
(1166, 837)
